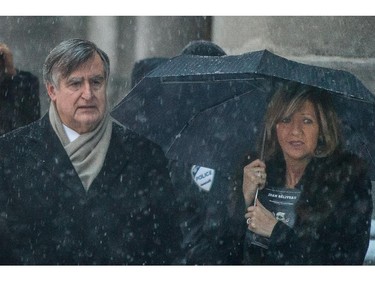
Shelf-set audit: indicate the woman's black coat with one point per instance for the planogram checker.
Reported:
(46, 216)
(333, 215)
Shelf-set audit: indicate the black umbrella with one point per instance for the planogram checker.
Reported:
(209, 110)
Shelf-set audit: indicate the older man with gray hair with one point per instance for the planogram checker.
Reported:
(75, 186)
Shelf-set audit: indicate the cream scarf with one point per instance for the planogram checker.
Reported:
(88, 151)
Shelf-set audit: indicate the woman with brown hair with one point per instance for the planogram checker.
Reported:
(308, 202)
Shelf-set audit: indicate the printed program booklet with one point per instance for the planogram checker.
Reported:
(280, 201)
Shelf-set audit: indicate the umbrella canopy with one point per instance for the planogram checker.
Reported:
(209, 110)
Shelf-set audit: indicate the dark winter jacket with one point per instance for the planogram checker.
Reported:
(19, 101)
(47, 217)
(333, 215)
(212, 222)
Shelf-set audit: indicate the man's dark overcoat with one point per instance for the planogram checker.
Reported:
(47, 217)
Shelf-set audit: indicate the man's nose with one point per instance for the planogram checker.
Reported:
(86, 91)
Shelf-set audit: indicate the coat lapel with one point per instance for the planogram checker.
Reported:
(46, 148)
(115, 162)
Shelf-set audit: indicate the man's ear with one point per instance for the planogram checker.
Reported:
(51, 90)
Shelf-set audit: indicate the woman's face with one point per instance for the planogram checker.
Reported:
(298, 134)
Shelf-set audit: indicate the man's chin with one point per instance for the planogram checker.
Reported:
(88, 125)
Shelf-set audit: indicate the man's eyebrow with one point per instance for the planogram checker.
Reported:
(74, 79)
(100, 76)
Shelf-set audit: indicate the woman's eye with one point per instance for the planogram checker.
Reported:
(307, 121)
(285, 120)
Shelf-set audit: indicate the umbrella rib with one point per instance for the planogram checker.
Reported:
(212, 80)
(367, 150)
(370, 156)
(354, 98)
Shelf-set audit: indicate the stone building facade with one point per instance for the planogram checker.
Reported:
(338, 42)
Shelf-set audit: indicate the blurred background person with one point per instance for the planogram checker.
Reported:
(210, 215)
(210, 221)
(142, 67)
(19, 94)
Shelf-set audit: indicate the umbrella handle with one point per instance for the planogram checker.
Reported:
(263, 144)
(261, 158)
(256, 197)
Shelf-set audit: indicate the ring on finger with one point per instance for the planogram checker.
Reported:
(248, 221)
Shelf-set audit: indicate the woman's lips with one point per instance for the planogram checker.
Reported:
(296, 143)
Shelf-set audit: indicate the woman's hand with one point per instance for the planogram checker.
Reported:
(260, 220)
(254, 177)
